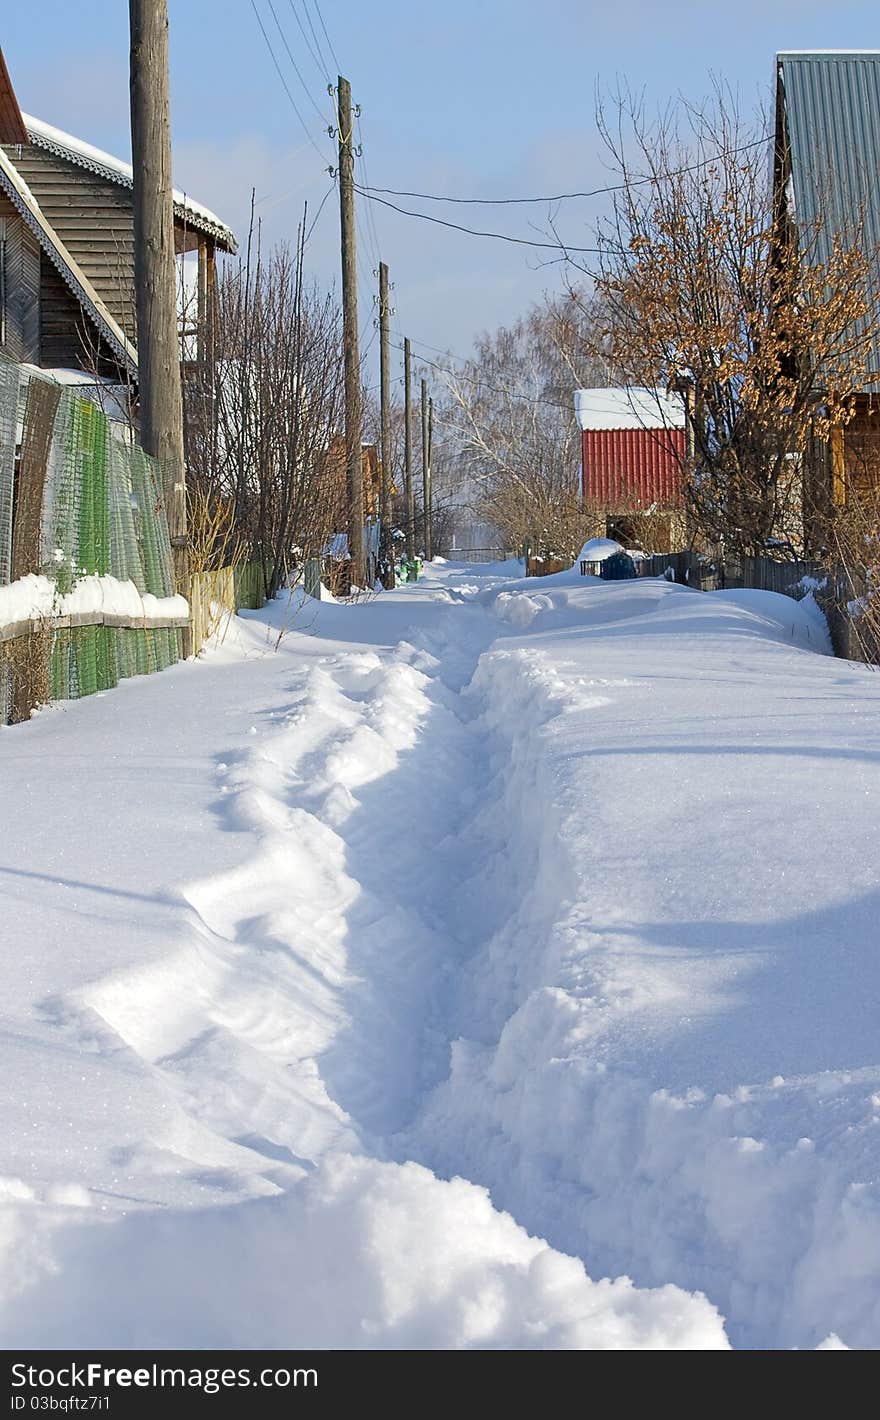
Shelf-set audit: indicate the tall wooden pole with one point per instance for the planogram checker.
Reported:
(202, 303)
(430, 478)
(351, 356)
(385, 409)
(426, 476)
(155, 271)
(407, 451)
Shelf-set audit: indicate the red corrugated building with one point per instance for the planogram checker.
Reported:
(632, 450)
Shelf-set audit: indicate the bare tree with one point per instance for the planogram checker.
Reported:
(508, 427)
(705, 288)
(263, 416)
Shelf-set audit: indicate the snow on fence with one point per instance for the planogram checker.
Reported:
(86, 577)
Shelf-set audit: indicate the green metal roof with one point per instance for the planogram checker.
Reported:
(832, 115)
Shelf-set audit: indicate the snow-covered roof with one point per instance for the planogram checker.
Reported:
(628, 407)
(65, 145)
(111, 396)
(598, 549)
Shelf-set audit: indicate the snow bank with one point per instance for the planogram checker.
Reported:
(653, 607)
(360, 1254)
(520, 609)
(665, 1052)
(564, 890)
(240, 1045)
(33, 597)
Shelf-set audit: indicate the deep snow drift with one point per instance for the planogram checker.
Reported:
(339, 977)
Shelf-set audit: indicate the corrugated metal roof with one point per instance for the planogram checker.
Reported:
(629, 468)
(832, 116)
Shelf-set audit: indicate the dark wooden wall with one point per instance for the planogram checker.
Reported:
(861, 439)
(93, 218)
(22, 288)
(62, 323)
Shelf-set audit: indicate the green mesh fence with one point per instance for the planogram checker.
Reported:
(102, 513)
(8, 438)
(9, 382)
(163, 643)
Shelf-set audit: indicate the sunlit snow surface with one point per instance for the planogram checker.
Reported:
(382, 984)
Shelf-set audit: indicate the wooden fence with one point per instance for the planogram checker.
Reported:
(481, 554)
(545, 566)
(214, 595)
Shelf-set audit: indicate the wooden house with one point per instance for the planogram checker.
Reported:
(826, 175)
(67, 248)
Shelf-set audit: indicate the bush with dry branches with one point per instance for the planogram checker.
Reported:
(261, 417)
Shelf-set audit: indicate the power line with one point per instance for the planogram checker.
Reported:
(326, 36)
(495, 389)
(472, 231)
(322, 67)
(566, 196)
(280, 71)
(296, 69)
(484, 384)
(372, 233)
(369, 345)
(368, 331)
(314, 222)
(321, 56)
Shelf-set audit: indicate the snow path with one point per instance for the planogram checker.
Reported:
(213, 1010)
(472, 880)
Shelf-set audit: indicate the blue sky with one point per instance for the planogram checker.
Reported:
(476, 97)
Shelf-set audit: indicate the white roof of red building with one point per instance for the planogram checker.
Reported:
(628, 407)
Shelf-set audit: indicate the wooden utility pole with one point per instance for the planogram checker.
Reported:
(351, 356)
(426, 476)
(430, 478)
(387, 549)
(407, 451)
(155, 271)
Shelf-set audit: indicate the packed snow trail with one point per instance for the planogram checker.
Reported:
(476, 879)
(177, 1171)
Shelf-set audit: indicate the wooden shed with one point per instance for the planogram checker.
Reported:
(67, 248)
(826, 158)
